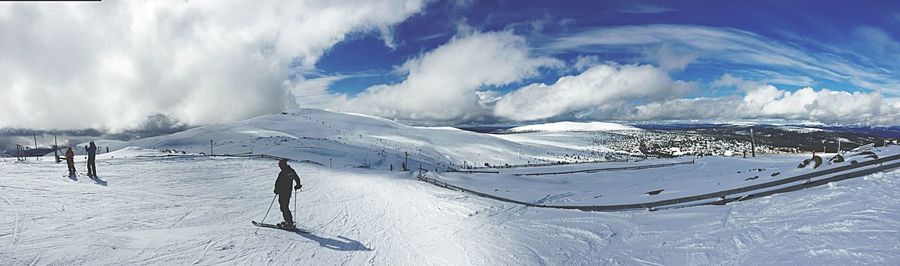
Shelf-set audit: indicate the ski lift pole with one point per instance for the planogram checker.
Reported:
(267, 213)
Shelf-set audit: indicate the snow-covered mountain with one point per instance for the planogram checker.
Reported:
(358, 140)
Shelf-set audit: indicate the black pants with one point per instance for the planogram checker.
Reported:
(71, 164)
(91, 166)
(284, 200)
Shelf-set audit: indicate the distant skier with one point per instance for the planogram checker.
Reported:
(70, 160)
(92, 155)
(283, 188)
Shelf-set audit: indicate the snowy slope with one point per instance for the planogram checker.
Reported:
(595, 185)
(171, 208)
(357, 140)
(196, 210)
(573, 126)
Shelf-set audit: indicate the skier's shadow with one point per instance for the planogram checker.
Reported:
(342, 244)
(73, 178)
(99, 181)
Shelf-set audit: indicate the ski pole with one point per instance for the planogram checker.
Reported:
(267, 213)
(295, 207)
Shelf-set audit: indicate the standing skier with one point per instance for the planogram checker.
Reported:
(92, 155)
(70, 160)
(283, 188)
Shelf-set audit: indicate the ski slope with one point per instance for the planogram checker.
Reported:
(346, 139)
(160, 201)
(181, 210)
(615, 183)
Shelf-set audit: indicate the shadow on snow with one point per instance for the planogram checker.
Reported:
(99, 181)
(342, 244)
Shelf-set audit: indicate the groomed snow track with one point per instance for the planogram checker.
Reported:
(718, 197)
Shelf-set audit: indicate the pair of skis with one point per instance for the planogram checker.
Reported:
(294, 229)
(275, 226)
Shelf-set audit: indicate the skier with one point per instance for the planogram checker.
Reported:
(283, 188)
(70, 160)
(92, 155)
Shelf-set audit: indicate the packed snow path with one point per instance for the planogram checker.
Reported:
(196, 210)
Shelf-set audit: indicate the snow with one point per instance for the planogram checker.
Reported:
(164, 208)
(358, 140)
(184, 210)
(573, 126)
(604, 184)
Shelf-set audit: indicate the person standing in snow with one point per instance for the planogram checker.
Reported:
(70, 160)
(283, 185)
(92, 155)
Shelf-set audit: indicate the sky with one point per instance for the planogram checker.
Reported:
(118, 66)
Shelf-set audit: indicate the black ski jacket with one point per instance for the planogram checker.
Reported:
(91, 150)
(284, 184)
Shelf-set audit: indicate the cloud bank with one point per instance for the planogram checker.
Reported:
(444, 84)
(452, 84)
(113, 64)
(603, 87)
(674, 46)
(769, 102)
(117, 66)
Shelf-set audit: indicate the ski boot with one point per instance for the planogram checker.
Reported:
(286, 225)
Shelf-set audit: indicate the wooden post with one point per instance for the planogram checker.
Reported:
(210, 147)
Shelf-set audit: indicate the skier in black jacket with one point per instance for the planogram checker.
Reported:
(91, 161)
(283, 188)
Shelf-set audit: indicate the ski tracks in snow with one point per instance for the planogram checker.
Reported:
(15, 219)
(197, 211)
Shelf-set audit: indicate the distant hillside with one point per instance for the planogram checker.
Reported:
(344, 139)
(572, 126)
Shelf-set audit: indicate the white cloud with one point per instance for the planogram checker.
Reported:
(769, 102)
(310, 92)
(781, 78)
(112, 64)
(442, 84)
(727, 80)
(878, 43)
(726, 45)
(602, 87)
(584, 62)
(671, 57)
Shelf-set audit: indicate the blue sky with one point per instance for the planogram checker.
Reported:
(814, 27)
(449, 62)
